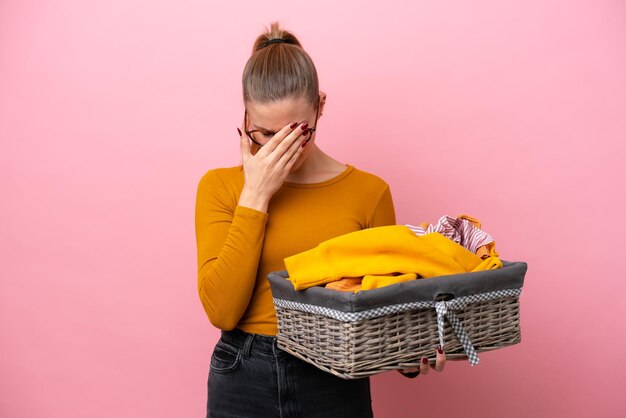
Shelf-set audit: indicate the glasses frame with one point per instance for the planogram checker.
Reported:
(311, 130)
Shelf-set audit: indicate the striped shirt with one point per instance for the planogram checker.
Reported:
(459, 230)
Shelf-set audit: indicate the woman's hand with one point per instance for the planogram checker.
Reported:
(266, 169)
(424, 368)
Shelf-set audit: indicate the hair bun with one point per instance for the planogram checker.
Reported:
(274, 35)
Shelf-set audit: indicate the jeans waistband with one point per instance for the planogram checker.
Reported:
(257, 342)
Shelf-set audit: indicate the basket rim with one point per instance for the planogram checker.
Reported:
(509, 276)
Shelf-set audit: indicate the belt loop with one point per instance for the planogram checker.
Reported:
(247, 345)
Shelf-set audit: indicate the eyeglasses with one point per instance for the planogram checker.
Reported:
(259, 137)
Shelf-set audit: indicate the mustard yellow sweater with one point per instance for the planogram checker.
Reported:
(238, 246)
(381, 251)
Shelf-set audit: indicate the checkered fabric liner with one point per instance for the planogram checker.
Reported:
(443, 308)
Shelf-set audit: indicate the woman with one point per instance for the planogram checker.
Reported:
(285, 198)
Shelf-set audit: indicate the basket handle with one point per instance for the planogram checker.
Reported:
(444, 296)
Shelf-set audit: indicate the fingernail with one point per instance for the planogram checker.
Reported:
(293, 125)
(303, 127)
(439, 350)
(424, 360)
(238, 130)
(304, 143)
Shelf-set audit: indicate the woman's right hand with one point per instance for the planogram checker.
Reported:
(266, 170)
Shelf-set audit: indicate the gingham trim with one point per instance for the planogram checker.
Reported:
(443, 308)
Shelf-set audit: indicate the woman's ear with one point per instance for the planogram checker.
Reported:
(322, 102)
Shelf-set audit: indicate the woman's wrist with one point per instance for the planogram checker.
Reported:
(253, 200)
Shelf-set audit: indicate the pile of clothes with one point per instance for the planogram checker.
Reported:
(385, 255)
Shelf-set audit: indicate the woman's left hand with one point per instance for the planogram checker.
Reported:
(424, 368)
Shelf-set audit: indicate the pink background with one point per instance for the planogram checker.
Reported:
(110, 112)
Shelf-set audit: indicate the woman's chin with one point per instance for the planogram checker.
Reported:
(298, 163)
(295, 167)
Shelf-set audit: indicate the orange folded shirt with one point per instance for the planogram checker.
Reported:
(369, 281)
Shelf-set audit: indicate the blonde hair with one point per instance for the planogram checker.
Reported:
(279, 71)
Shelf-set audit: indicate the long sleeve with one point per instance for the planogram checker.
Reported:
(384, 213)
(229, 243)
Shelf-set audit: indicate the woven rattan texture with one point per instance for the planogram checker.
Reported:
(357, 349)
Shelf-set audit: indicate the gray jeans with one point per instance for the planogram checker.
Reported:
(250, 376)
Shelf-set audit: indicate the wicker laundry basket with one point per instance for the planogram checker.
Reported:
(354, 335)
